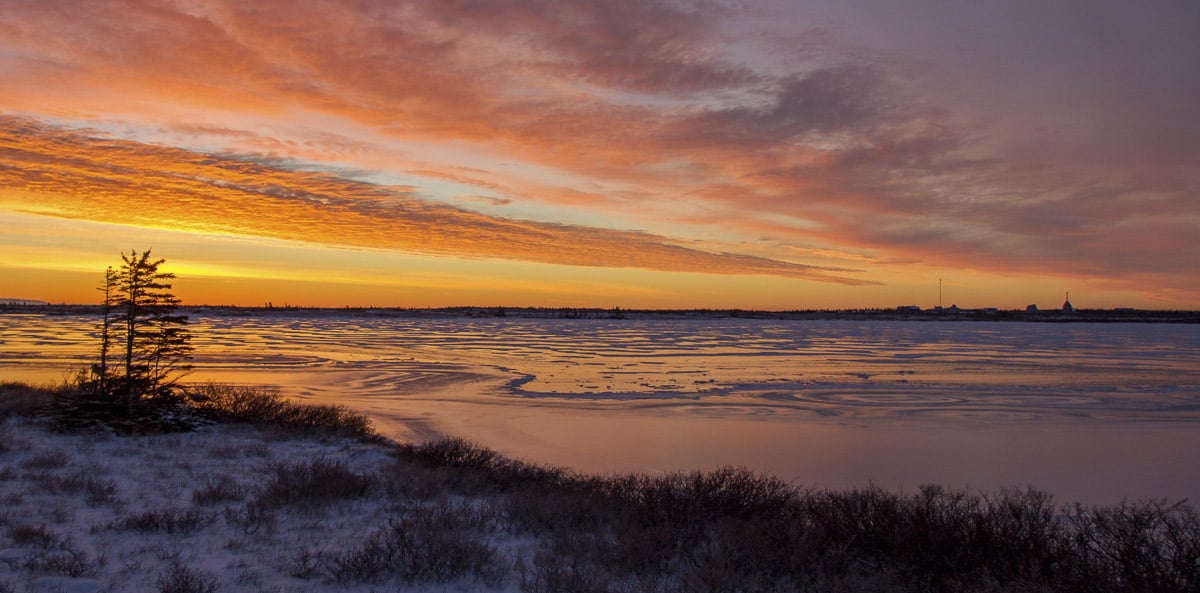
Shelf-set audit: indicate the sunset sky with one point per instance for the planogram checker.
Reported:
(773, 154)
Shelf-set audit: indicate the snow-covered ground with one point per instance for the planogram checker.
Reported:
(214, 510)
(230, 508)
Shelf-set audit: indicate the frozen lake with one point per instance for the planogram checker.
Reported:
(1091, 412)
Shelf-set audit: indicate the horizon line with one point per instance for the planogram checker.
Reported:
(901, 309)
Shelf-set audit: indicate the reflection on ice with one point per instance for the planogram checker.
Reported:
(971, 403)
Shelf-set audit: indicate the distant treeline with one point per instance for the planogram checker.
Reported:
(902, 313)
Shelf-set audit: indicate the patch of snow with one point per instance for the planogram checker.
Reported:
(66, 520)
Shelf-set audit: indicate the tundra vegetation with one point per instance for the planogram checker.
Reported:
(329, 505)
(127, 479)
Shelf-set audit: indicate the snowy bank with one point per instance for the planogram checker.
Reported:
(281, 506)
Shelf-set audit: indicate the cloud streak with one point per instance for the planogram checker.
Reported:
(78, 175)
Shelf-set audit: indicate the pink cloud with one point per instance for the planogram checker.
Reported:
(663, 116)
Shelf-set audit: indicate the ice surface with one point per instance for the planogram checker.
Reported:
(1088, 411)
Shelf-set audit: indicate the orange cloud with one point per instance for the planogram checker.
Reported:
(644, 114)
(76, 175)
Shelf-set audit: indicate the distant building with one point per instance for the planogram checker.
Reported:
(1067, 306)
(908, 309)
(1031, 309)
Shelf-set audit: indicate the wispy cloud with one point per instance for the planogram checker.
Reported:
(1065, 148)
(77, 175)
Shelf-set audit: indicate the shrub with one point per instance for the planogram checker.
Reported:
(20, 399)
(173, 521)
(1147, 546)
(660, 518)
(474, 469)
(179, 578)
(47, 460)
(264, 407)
(31, 535)
(97, 491)
(552, 573)
(239, 403)
(253, 518)
(218, 490)
(429, 545)
(50, 552)
(312, 483)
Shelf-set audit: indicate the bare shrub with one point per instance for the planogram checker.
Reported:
(32, 535)
(845, 528)
(304, 564)
(179, 578)
(253, 518)
(1150, 546)
(471, 468)
(50, 552)
(98, 491)
(251, 404)
(552, 573)
(173, 521)
(657, 519)
(405, 479)
(1024, 535)
(573, 509)
(264, 407)
(22, 400)
(218, 490)
(460, 454)
(314, 483)
(55, 459)
(325, 419)
(432, 545)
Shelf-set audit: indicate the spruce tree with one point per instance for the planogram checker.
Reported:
(103, 386)
(140, 317)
